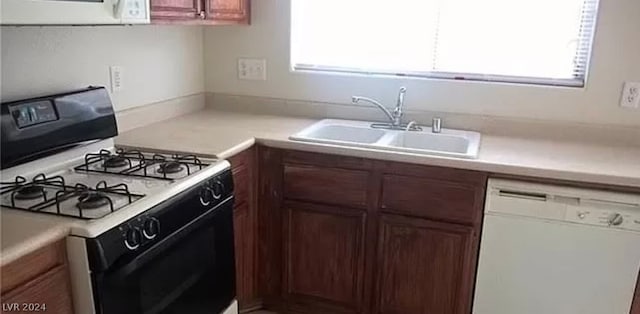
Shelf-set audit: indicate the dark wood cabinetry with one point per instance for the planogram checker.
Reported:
(423, 266)
(245, 227)
(175, 10)
(38, 282)
(200, 12)
(364, 236)
(324, 258)
(228, 10)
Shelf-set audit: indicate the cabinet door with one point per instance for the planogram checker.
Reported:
(228, 10)
(175, 10)
(245, 228)
(424, 266)
(324, 258)
(245, 256)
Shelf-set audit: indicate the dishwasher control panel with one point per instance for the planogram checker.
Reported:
(618, 218)
(607, 209)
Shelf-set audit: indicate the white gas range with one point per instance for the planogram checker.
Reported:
(151, 232)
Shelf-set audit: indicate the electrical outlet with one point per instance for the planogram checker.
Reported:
(117, 78)
(252, 69)
(630, 95)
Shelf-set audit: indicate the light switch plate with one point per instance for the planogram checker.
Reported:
(630, 95)
(252, 69)
(117, 78)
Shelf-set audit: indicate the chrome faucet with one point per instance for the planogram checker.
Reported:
(395, 117)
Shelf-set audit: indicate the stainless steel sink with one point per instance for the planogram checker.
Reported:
(451, 143)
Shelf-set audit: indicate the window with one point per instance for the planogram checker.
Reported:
(522, 41)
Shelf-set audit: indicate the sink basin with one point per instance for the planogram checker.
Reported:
(450, 143)
(447, 142)
(339, 132)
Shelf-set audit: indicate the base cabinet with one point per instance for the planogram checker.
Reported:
(38, 282)
(324, 258)
(364, 236)
(423, 266)
(245, 226)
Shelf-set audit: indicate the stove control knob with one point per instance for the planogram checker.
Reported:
(205, 196)
(615, 219)
(217, 189)
(151, 228)
(132, 239)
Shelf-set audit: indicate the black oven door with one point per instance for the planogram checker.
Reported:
(192, 271)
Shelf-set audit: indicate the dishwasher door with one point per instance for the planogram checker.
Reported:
(544, 253)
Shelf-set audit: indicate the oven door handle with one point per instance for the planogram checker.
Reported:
(124, 271)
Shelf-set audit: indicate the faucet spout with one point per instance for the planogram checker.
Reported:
(356, 99)
(395, 117)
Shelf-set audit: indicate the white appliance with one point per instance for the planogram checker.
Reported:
(74, 12)
(557, 250)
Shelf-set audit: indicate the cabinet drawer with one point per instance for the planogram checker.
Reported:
(326, 185)
(47, 293)
(432, 198)
(32, 265)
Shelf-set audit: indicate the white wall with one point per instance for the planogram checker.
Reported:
(616, 58)
(160, 62)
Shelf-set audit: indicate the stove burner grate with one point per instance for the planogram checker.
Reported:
(116, 162)
(92, 200)
(88, 198)
(122, 163)
(30, 192)
(170, 167)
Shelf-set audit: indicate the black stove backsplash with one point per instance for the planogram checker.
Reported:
(38, 127)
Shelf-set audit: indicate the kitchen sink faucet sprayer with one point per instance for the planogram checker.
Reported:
(395, 117)
(397, 112)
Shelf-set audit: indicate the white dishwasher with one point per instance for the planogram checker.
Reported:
(557, 250)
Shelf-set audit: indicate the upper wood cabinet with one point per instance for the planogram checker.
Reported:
(200, 12)
(175, 10)
(228, 10)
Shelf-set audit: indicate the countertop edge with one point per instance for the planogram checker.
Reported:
(438, 161)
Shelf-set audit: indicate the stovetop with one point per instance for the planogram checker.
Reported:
(97, 184)
(135, 163)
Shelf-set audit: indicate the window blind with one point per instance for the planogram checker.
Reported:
(521, 41)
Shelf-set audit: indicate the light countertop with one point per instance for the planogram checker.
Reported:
(223, 134)
(23, 233)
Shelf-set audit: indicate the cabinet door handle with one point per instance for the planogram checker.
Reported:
(203, 15)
